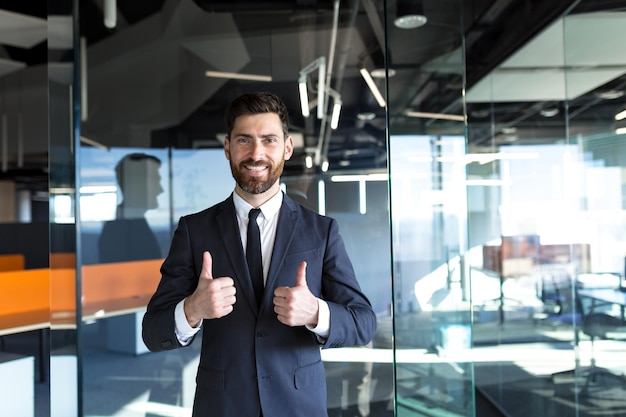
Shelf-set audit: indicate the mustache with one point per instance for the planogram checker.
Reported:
(252, 162)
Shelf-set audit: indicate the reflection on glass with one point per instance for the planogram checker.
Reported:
(433, 331)
(548, 315)
(129, 237)
(124, 204)
(200, 178)
(124, 222)
(361, 381)
(298, 187)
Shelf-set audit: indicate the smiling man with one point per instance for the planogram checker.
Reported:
(260, 352)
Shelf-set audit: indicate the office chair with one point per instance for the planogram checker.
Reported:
(552, 295)
(596, 325)
(554, 289)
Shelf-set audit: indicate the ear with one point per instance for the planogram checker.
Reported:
(227, 148)
(288, 148)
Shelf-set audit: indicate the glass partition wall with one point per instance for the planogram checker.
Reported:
(545, 209)
(432, 311)
(476, 170)
(157, 88)
(24, 231)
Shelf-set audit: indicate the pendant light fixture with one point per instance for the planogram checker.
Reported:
(410, 14)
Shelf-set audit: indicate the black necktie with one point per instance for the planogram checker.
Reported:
(253, 254)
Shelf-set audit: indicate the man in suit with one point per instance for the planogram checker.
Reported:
(258, 358)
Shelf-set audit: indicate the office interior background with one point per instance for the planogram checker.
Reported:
(473, 155)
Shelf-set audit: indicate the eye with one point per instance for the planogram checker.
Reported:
(243, 140)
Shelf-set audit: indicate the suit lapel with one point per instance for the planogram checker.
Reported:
(285, 231)
(229, 230)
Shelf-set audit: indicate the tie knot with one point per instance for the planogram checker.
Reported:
(253, 214)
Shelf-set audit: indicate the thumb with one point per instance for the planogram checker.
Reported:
(301, 276)
(207, 265)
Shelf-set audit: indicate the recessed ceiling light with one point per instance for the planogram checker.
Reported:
(366, 115)
(610, 94)
(410, 14)
(480, 113)
(410, 21)
(549, 112)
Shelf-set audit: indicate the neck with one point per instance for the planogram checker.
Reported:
(257, 200)
(124, 212)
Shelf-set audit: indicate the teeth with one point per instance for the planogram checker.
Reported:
(255, 168)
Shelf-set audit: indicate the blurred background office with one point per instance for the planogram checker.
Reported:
(473, 153)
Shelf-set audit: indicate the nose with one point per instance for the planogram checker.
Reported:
(258, 151)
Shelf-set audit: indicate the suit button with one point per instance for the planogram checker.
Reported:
(260, 334)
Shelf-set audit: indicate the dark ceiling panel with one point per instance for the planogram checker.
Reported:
(488, 31)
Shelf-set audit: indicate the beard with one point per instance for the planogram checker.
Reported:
(254, 185)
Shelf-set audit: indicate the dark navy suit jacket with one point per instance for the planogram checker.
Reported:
(248, 358)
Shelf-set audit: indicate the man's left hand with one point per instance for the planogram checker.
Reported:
(296, 306)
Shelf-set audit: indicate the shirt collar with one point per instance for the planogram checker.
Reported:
(269, 209)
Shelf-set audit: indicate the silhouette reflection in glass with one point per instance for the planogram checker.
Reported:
(297, 183)
(129, 237)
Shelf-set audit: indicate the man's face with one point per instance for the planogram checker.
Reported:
(257, 150)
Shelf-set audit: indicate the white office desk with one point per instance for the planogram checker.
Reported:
(605, 296)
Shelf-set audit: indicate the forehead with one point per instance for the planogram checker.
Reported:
(264, 123)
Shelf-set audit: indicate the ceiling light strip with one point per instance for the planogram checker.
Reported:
(93, 143)
(621, 115)
(334, 120)
(373, 88)
(238, 76)
(321, 88)
(426, 115)
(5, 144)
(110, 13)
(304, 98)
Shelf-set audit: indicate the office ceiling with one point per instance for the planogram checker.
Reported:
(147, 84)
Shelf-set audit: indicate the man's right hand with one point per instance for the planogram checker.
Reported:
(213, 298)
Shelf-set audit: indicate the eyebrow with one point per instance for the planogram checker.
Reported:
(267, 135)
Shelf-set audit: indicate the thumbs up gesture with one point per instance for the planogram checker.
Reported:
(296, 306)
(213, 297)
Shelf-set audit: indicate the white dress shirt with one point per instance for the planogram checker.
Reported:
(268, 222)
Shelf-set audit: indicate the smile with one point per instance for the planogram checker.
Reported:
(255, 168)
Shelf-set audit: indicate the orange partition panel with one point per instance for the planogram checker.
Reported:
(120, 280)
(27, 297)
(62, 260)
(23, 291)
(12, 262)
(63, 289)
(24, 300)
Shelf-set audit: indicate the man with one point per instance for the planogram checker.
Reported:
(258, 358)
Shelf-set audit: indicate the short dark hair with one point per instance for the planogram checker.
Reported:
(256, 103)
(132, 157)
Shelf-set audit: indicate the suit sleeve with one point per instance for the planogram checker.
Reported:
(352, 319)
(179, 279)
